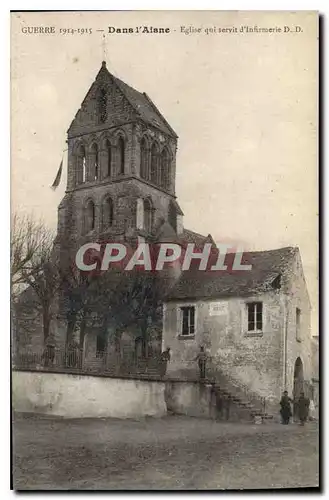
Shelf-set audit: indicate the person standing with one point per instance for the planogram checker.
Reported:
(312, 411)
(303, 408)
(285, 410)
(202, 361)
(164, 360)
(48, 355)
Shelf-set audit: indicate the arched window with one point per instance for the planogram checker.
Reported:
(81, 165)
(109, 159)
(89, 216)
(121, 149)
(95, 162)
(164, 169)
(107, 213)
(144, 160)
(148, 216)
(154, 163)
(84, 168)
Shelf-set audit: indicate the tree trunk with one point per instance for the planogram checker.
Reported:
(145, 337)
(117, 341)
(70, 328)
(46, 326)
(82, 332)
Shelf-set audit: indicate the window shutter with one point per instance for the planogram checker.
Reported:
(259, 315)
(185, 330)
(192, 315)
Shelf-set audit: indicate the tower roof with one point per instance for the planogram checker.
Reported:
(141, 103)
(145, 107)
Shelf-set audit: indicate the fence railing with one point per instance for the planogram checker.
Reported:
(102, 362)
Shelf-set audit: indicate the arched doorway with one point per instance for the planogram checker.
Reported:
(298, 381)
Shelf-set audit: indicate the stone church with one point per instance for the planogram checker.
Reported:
(121, 187)
(120, 180)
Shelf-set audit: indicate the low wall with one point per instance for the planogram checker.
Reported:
(76, 396)
(188, 398)
(197, 400)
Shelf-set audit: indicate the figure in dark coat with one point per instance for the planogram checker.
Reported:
(48, 355)
(285, 411)
(164, 360)
(303, 408)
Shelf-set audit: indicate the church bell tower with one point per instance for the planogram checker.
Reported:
(121, 168)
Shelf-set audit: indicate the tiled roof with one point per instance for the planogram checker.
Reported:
(266, 266)
(189, 236)
(167, 234)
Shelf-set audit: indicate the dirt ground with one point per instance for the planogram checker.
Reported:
(161, 454)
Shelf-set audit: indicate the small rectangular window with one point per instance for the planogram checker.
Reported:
(188, 320)
(255, 316)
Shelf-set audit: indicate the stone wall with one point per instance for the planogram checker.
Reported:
(315, 358)
(299, 345)
(124, 195)
(78, 396)
(196, 399)
(73, 396)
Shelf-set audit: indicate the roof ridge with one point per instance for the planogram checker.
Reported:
(126, 84)
(158, 111)
(194, 232)
(271, 250)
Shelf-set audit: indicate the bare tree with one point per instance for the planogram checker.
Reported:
(138, 299)
(43, 277)
(125, 299)
(28, 237)
(33, 265)
(76, 289)
(114, 299)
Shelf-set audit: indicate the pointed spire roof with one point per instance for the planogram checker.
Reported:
(140, 101)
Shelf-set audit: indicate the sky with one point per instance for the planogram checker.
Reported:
(244, 106)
